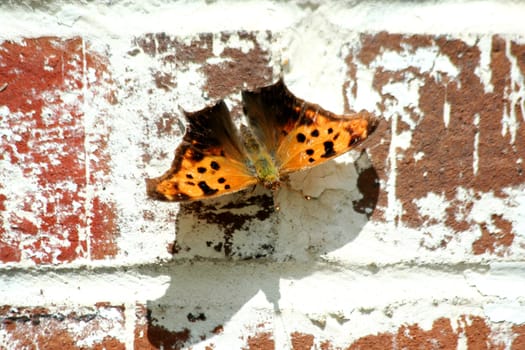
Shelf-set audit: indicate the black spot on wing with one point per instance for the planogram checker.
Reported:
(201, 169)
(329, 131)
(336, 136)
(221, 180)
(328, 149)
(191, 183)
(189, 176)
(315, 133)
(214, 165)
(310, 151)
(227, 187)
(311, 160)
(300, 137)
(207, 190)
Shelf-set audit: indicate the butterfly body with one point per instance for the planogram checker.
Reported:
(285, 134)
(260, 160)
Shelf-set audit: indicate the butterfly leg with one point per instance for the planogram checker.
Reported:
(275, 194)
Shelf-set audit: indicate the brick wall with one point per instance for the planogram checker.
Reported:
(415, 240)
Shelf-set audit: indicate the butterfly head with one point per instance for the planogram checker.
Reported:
(272, 185)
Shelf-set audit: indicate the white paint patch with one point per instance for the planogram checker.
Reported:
(475, 156)
(483, 70)
(80, 288)
(432, 206)
(426, 59)
(366, 97)
(190, 80)
(233, 42)
(494, 283)
(506, 311)
(446, 112)
(48, 115)
(109, 323)
(130, 324)
(394, 209)
(515, 93)
(253, 320)
(4, 112)
(406, 95)
(462, 343)
(111, 20)
(356, 300)
(403, 140)
(514, 209)
(463, 198)
(312, 40)
(432, 17)
(88, 99)
(339, 174)
(486, 206)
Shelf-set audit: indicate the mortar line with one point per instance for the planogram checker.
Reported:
(317, 265)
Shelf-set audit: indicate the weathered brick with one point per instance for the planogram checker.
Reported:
(47, 209)
(43, 328)
(449, 149)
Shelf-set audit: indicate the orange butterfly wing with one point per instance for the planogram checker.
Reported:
(300, 134)
(210, 161)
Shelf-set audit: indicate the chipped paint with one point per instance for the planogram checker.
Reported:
(512, 311)
(515, 95)
(56, 327)
(446, 111)
(475, 156)
(46, 148)
(432, 206)
(483, 71)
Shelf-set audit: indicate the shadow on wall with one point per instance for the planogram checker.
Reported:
(227, 246)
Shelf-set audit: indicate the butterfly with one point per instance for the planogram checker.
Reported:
(285, 134)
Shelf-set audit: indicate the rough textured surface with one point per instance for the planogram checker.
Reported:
(98, 327)
(416, 240)
(52, 211)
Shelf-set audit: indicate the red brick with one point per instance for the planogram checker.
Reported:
(46, 144)
(261, 341)
(301, 341)
(445, 165)
(441, 336)
(103, 230)
(519, 342)
(382, 341)
(40, 328)
(478, 334)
